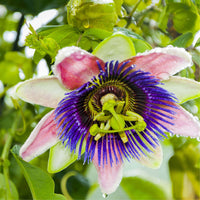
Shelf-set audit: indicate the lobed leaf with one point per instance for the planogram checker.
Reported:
(138, 188)
(40, 183)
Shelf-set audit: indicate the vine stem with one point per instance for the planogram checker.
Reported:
(134, 8)
(63, 184)
(131, 13)
(20, 24)
(4, 158)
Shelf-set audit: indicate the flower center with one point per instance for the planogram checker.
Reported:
(113, 119)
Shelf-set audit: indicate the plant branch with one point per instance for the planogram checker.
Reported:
(131, 13)
(5, 155)
(15, 45)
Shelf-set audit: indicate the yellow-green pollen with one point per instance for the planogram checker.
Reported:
(112, 120)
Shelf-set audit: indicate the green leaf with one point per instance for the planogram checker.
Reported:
(3, 189)
(196, 57)
(64, 35)
(183, 171)
(138, 188)
(9, 72)
(117, 47)
(49, 39)
(77, 186)
(190, 15)
(177, 175)
(182, 17)
(43, 45)
(38, 55)
(97, 33)
(118, 5)
(86, 14)
(184, 40)
(128, 33)
(21, 61)
(40, 183)
(10, 66)
(142, 4)
(141, 45)
(58, 197)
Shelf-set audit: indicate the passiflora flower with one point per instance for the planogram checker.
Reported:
(110, 111)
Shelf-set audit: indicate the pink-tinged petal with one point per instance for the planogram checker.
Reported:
(74, 67)
(41, 139)
(45, 91)
(185, 124)
(162, 62)
(109, 177)
(154, 158)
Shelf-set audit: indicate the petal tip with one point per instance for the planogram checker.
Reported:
(171, 50)
(66, 52)
(109, 177)
(74, 66)
(163, 62)
(41, 139)
(111, 181)
(185, 124)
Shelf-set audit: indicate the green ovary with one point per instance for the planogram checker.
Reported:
(112, 119)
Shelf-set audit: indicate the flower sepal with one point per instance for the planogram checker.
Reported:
(61, 157)
(116, 47)
(179, 85)
(45, 91)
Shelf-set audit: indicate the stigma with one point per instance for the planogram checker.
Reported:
(112, 120)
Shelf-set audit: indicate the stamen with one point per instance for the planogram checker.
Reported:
(111, 114)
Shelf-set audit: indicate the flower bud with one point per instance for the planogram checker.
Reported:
(92, 14)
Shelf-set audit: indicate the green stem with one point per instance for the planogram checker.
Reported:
(134, 8)
(4, 158)
(15, 45)
(191, 176)
(131, 13)
(63, 184)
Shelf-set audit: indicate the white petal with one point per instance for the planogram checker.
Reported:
(45, 91)
(60, 157)
(183, 88)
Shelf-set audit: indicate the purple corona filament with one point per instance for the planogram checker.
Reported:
(140, 93)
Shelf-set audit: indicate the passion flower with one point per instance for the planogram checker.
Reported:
(118, 111)
(109, 111)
